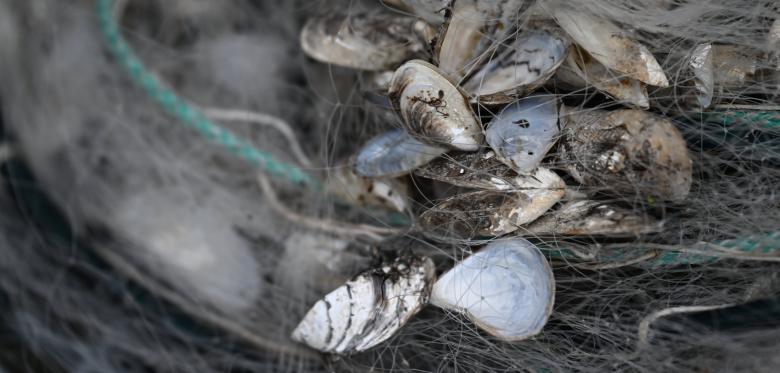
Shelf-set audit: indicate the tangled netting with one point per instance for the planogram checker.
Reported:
(129, 243)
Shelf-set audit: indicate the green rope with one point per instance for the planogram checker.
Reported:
(187, 114)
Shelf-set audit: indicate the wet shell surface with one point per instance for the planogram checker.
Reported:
(626, 151)
(393, 153)
(592, 73)
(473, 170)
(359, 190)
(433, 110)
(701, 66)
(361, 40)
(609, 45)
(507, 288)
(368, 309)
(585, 218)
(532, 58)
(523, 133)
(490, 213)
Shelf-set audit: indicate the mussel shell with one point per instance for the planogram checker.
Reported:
(523, 133)
(587, 218)
(531, 59)
(368, 309)
(489, 213)
(366, 40)
(626, 151)
(473, 170)
(393, 153)
(384, 192)
(463, 40)
(701, 65)
(434, 111)
(608, 44)
(507, 288)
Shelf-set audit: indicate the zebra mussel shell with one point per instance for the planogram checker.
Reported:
(586, 218)
(365, 40)
(378, 191)
(473, 170)
(506, 288)
(434, 111)
(393, 153)
(368, 309)
(523, 132)
(609, 45)
(489, 213)
(533, 56)
(626, 151)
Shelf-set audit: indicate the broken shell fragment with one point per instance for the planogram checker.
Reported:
(433, 110)
(361, 40)
(368, 309)
(586, 218)
(491, 213)
(589, 72)
(393, 153)
(507, 288)
(626, 151)
(473, 170)
(385, 192)
(523, 133)
(608, 44)
(701, 65)
(534, 55)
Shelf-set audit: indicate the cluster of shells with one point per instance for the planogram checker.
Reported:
(464, 79)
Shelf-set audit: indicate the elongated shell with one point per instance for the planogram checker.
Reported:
(627, 151)
(393, 153)
(359, 190)
(473, 170)
(507, 288)
(701, 65)
(585, 218)
(534, 55)
(368, 309)
(593, 73)
(465, 37)
(608, 44)
(433, 109)
(361, 40)
(523, 133)
(490, 213)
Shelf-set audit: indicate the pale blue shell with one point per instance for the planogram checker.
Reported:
(394, 153)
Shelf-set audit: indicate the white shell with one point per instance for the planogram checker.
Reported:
(360, 190)
(433, 109)
(393, 153)
(361, 40)
(507, 289)
(523, 133)
(368, 309)
(473, 170)
(534, 55)
(608, 44)
(585, 218)
(490, 213)
(703, 70)
(627, 151)
(592, 73)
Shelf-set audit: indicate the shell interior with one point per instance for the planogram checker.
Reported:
(507, 288)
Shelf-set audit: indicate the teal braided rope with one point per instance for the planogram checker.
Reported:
(186, 113)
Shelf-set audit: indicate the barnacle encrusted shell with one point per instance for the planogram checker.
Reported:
(473, 170)
(368, 309)
(523, 133)
(626, 151)
(366, 40)
(507, 288)
(525, 65)
(393, 153)
(585, 218)
(433, 109)
(491, 213)
(378, 191)
(610, 45)
(589, 72)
